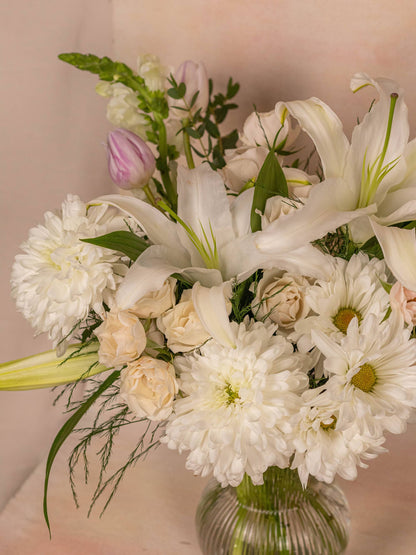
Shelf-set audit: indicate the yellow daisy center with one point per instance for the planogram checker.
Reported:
(365, 378)
(343, 318)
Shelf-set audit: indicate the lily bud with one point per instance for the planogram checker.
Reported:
(48, 370)
(196, 79)
(130, 161)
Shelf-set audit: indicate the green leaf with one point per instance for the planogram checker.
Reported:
(105, 68)
(177, 92)
(193, 100)
(372, 248)
(230, 140)
(386, 286)
(212, 129)
(65, 431)
(192, 132)
(122, 241)
(232, 88)
(270, 182)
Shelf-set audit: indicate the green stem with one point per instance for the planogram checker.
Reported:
(149, 195)
(188, 151)
(393, 100)
(164, 167)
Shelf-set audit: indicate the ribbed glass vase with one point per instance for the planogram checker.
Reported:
(277, 517)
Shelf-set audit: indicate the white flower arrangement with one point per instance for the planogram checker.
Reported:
(259, 313)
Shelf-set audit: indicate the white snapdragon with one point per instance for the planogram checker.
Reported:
(122, 107)
(153, 72)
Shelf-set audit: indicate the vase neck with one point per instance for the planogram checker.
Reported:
(280, 486)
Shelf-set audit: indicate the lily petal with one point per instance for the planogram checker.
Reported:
(241, 212)
(369, 136)
(159, 229)
(321, 214)
(325, 129)
(399, 249)
(203, 203)
(148, 273)
(210, 305)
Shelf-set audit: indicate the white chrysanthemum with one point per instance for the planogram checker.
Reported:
(236, 415)
(59, 278)
(323, 446)
(373, 373)
(354, 291)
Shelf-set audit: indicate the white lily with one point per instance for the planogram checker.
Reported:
(371, 180)
(210, 242)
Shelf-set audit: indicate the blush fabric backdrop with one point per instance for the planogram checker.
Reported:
(54, 127)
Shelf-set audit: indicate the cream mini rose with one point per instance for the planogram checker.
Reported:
(299, 186)
(182, 327)
(281, 298)
(122, 338)
(148, 387)
(156, 302)
(404, 300)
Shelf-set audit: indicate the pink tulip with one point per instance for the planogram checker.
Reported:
(196, 79)
(130, 161)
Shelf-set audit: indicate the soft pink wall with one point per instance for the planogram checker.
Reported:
(279, 49)
(53, 126)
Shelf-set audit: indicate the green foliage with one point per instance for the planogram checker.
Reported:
(372, 248)
(338, 243)
(315, 382)
(125, 242)
(66, 430)
(177, 91)
(205, 123)
(105, 68)
(242, 298)
(111, 417)
(271, 181)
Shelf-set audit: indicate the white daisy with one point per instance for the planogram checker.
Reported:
(236, 415)
(373, 373)
(59, 278)
(354, 291)
(323, 447)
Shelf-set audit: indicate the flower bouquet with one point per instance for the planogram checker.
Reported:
(250, 296)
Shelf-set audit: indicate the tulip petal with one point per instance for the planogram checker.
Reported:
(210, 305)
(399, 249)
(325, 129)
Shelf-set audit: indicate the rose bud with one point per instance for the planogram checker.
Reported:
(130, 161)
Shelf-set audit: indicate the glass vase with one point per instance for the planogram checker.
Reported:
(279, 516)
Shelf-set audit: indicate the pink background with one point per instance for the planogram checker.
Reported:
(53, 123)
